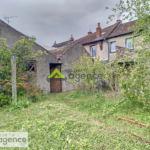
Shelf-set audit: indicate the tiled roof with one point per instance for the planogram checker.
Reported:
(92, 37)
(108, 32)
(61, 50)
(123, 28)
(61, 44)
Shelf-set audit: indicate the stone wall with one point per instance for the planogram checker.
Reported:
(72, 55)
(122, 52)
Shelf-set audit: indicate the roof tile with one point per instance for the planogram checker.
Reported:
(61, 44)
(123, 28)
(61, 50)
(109, 31)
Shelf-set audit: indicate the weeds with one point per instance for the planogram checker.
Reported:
(54, 125)
(23, 103)
(108, 108)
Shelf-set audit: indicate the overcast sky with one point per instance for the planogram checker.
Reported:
(50, 20)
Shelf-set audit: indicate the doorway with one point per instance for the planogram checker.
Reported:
(55, 84)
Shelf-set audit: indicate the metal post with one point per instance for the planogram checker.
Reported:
(13, 78)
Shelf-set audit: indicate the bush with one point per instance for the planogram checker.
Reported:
(25, 79)
(4, 99)
(136, 85)
(87, 74)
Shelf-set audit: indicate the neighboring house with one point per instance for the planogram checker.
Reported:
(120, 38)
(103, 42)
(57, 45)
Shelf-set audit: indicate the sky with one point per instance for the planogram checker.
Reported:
(56, 20)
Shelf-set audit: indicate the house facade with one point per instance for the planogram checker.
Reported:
(103, 42)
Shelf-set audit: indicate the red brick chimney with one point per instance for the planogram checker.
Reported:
(89, 32)
(98, 31)
(119, 21)
(55, 43)
(72, 39)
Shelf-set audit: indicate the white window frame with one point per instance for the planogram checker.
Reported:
(91, 52)
(127, 46)
(111, 46)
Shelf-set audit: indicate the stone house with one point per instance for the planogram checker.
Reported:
(60, 58)
(66, 56)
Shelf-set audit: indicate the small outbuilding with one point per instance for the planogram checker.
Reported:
(66, 55)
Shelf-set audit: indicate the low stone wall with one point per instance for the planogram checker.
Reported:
(122, 52)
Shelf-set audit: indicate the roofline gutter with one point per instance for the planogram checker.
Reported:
(108, 37)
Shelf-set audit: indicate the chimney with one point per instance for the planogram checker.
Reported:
(98, 31)
(55, 43)
(119, 21)
(89, 32)
(72, 39)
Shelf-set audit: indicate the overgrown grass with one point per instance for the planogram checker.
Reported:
(71, 121)
(108, 108)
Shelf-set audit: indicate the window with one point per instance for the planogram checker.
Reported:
(112, 46)
(31, 66)
(103, 33)
(92, 51)
(128, 43)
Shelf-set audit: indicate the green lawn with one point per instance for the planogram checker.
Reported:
(74, 121)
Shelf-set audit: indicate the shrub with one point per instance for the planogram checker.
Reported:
(4, 99)
(136, 85)
(25, 79)
(87, 74)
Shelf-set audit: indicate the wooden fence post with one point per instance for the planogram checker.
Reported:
(13, 78)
